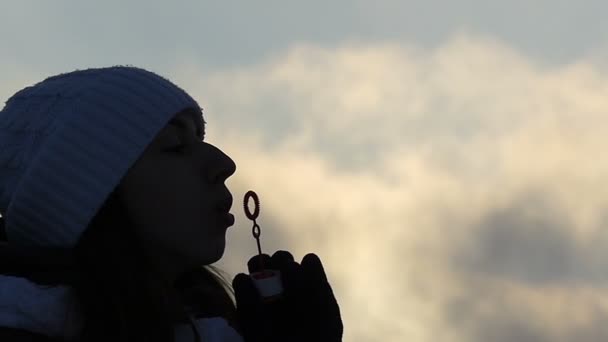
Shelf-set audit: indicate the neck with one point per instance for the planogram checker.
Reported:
(163, 273)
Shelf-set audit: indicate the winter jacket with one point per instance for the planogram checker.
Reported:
(33, 312)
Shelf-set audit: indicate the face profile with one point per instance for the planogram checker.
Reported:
(176, 196)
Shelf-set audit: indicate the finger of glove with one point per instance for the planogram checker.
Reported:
(254, 264)
(331, 317)
(322, 296)
(317, 289)
(247, 297)
(280, 259)
(294, 291)
(291, 277)
(313, 270)
(249, 309)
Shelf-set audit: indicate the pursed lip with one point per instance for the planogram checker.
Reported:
(228, 219)
(224, 205)
(223, 208)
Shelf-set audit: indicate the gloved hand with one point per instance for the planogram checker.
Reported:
(306, 311)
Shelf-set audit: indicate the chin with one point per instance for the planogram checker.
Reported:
(212, 254)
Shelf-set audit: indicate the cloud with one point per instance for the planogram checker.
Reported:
(532, 241)
(455, 193)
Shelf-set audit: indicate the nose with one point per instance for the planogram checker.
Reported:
(221, 167)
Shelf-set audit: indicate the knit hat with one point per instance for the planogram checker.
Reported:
(66, 143)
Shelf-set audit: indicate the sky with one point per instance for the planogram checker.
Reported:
(445, 160)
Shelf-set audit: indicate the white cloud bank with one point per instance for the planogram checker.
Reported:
(454, 194)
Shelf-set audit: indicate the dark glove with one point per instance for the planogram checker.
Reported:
(306, 311)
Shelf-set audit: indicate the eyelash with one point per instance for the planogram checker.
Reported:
(180, 147)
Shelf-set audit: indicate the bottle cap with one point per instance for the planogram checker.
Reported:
(268, 282)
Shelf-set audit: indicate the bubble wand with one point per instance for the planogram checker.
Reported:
(255, 230)
(267, 281)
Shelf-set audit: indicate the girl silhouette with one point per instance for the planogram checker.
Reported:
(113, 208)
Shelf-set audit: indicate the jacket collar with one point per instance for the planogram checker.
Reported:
(49, 310)
(54, 311)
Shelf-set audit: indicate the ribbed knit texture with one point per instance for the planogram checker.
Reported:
(66, 142)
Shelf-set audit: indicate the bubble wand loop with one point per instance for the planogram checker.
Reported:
(256, 230)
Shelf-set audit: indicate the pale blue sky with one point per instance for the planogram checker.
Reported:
(63, 33)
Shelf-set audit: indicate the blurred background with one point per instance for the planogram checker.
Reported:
(446, 160)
